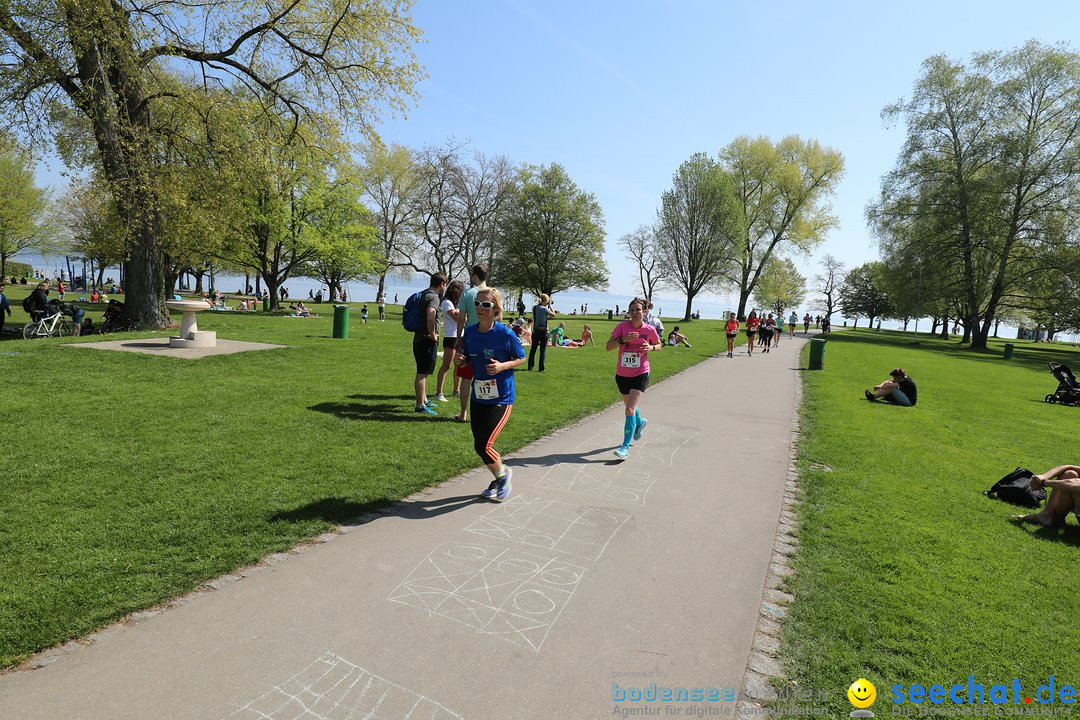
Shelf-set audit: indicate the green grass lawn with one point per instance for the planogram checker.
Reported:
(130, 479)
(906, 573)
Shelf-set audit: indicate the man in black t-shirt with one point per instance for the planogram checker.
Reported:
(426, 341)
(899, 389)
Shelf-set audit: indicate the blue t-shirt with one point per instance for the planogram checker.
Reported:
(499, 343)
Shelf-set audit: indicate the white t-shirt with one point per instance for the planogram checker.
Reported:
(449, 326)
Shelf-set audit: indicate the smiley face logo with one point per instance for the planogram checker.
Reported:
(862, 693)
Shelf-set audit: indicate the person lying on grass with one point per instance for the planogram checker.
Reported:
(1064, 484)
(899, 389)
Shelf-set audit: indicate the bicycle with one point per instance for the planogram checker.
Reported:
(56, 324)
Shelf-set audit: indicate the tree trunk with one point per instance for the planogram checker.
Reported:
(689, 310)
(744, 295)
(381, 293)
(933, 326)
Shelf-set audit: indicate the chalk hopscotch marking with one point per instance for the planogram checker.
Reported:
(552, 525)
(628, 482)
(332, 688)
(510, 593)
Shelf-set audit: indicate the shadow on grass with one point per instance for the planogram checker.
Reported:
(1070, 534)
(383, 412)
(377, 396)
(341, 511)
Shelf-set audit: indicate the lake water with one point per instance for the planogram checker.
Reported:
(669, 305)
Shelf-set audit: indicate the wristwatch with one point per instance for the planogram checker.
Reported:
(621, 341)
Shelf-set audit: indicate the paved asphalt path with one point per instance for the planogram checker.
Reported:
(596, 578)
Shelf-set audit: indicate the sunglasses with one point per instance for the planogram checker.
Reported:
(486, 304)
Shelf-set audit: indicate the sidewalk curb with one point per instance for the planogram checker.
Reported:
(764, 662)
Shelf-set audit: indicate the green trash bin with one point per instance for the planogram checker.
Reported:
(341, 321)
(1009, 347)
(266, 303)
(817, 354)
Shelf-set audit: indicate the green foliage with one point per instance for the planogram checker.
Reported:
(24, 223)
(780, 285)
(863, 292)
(289, 443)
(987, 175)
(782, 190)
(551, 235)
(905, 572)
(110, 62)
(345, 241)
(97, 231)
(698, 225)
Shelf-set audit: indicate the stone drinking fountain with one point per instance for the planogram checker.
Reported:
(190, 334)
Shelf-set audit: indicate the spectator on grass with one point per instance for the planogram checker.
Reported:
(899, 389)
(587, 336)
(39, 301)
(450, 317)
(5, 307)
(541, 311)
(1064, 484)
(426, 341)
(677, 338)
(382, 308)
(363, 313)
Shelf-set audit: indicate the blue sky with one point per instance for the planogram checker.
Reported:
(622, 93)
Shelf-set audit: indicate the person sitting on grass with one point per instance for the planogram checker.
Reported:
(899, 389)
(302, 310)
(586, 336)
(1064, 484)
(677, 338)
(558, 335)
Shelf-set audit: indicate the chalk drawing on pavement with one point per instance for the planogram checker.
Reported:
(332, 688)
(509, 593)
(552, 525)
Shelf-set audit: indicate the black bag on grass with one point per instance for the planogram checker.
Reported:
(1013, 488)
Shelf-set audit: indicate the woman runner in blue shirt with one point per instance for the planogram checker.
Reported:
(493, 351)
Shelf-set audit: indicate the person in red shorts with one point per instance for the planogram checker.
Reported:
(752, 323)
(731, 329)
(635, 340)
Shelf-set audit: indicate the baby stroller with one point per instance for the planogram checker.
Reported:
(1068, 391)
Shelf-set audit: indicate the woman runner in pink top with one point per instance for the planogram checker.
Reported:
(635, 340)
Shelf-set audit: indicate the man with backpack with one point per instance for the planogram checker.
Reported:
(5, 307)
(37, 302)
(421, 317)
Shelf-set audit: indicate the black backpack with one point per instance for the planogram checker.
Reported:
(27, 304)
(1013, 488)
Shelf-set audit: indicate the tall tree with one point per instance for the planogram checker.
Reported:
(827, 285)
(390, 181)
(640, 246)
(780, 285)
(992, 156)
(24, 219)
(102, 56)
(345, 240)
(551, 235)
(782, 190)
(97, 233)
(863, 292)
(698, 223)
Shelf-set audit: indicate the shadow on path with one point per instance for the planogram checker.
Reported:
(341, 511)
